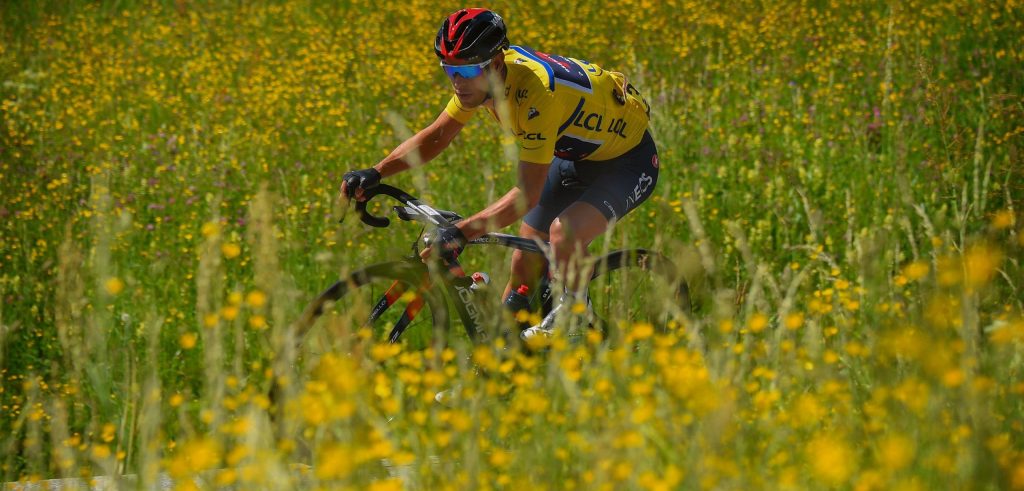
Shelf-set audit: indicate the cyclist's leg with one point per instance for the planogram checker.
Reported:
(526, 266)
(613, 189)
(558, 193)
(570, 234)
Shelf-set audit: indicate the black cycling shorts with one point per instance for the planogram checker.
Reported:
(615, 186)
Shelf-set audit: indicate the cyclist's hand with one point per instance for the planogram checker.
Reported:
(354, 182)
(448, 240)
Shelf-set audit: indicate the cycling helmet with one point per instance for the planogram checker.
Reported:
(470, 36)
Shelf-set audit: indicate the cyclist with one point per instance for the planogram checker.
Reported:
(586, 158)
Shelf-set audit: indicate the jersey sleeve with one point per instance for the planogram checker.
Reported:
(539, 117)
(457, 112)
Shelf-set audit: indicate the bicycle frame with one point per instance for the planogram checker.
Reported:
(456, 283)
(458, 287)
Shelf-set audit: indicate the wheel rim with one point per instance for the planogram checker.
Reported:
(639, 290)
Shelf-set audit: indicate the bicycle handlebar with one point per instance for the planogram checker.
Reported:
(432, 216)
(438, 218)
(376, 221)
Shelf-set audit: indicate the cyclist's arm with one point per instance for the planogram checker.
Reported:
(510, 207)
(422, 147)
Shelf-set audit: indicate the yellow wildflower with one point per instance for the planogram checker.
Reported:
(832, 461)
(256, 299)
(113, 285)
(230, 250)
(758, 322)
(794, 320)
(188, 340)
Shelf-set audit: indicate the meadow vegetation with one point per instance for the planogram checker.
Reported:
(841, 182)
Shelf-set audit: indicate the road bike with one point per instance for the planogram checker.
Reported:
(410, 302)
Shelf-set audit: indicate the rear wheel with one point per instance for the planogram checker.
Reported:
(635, 287)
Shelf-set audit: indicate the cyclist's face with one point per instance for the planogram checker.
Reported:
(472, 91)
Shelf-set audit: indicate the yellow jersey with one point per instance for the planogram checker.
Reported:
(564, 107)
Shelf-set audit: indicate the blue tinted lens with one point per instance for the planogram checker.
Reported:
(464, 71)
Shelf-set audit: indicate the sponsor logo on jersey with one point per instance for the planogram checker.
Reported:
(588, 121)
(595, 122)
(560, 70)
(520, 95)
(618, 97)
(532, 113)
(618, 126)
(557, 60)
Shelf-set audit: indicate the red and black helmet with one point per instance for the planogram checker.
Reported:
(470, 36)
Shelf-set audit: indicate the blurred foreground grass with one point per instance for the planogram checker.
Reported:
(841, 181)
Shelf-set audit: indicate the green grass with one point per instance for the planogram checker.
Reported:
(841, 184)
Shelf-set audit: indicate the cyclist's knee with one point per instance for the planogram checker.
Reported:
(527, 231)
(576, 227)
(526, 264)
(560, 234)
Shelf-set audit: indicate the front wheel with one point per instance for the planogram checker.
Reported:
(391, 302)
(384, 303)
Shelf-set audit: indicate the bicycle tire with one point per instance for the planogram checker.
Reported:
(656, 296)
(433, 324)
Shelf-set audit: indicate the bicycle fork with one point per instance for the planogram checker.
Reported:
(393, 293)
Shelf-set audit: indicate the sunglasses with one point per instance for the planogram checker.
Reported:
(465, 71)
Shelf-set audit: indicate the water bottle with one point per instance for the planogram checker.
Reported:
(518, 301)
